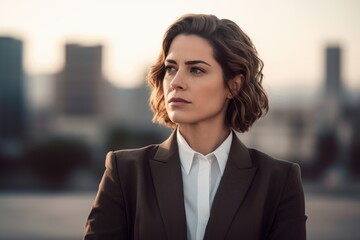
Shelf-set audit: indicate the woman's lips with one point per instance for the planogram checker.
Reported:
(178, 101)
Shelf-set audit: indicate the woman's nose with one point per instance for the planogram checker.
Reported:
(178, 82)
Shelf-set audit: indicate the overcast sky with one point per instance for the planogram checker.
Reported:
(291, 36)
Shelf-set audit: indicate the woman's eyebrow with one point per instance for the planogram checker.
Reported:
(192, 62)
(196, 62)
(170, 61)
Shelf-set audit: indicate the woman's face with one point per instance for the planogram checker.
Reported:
(194, 89)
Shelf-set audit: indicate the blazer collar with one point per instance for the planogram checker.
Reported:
(239, 153)
(167, 149)
(167, 178)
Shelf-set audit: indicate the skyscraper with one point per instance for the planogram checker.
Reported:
(12, 104)
(79, 84)
(333, 98)
(333, 71)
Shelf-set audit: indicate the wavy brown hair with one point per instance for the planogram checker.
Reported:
(235, 53)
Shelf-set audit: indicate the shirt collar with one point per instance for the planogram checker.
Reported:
(186, 153)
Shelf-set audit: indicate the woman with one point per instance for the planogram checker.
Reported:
(202, 182)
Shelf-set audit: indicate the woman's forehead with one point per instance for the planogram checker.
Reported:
(190, 47)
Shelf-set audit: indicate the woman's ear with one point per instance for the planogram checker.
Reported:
(235, 85)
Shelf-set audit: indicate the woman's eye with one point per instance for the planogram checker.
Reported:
(170, 69)
(196, 70)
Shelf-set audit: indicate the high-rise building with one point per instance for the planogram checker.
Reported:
(333, 71)
(79, 84)
(333, 98)
(12, 103)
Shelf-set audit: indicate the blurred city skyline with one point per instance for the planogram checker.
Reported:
(290, 36)
(81, 106)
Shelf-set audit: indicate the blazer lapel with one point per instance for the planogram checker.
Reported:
(166, 173)
(238, 175)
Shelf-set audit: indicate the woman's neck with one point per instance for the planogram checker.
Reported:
(204, 139)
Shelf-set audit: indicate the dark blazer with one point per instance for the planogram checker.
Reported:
(141, 197)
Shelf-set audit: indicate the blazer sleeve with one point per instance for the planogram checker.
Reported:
(290, 216)
(107, 219)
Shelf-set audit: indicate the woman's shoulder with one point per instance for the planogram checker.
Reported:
(270, 164)
(134, 154)
(130, 162)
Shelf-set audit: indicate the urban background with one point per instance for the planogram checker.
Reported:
(55, 130)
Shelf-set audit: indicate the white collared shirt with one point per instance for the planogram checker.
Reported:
(201, 177)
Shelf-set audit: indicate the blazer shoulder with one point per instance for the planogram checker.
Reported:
(271, 164)
(136, 155)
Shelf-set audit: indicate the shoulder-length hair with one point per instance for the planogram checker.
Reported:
(235, 53)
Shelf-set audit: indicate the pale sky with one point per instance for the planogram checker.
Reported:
(290, 36)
